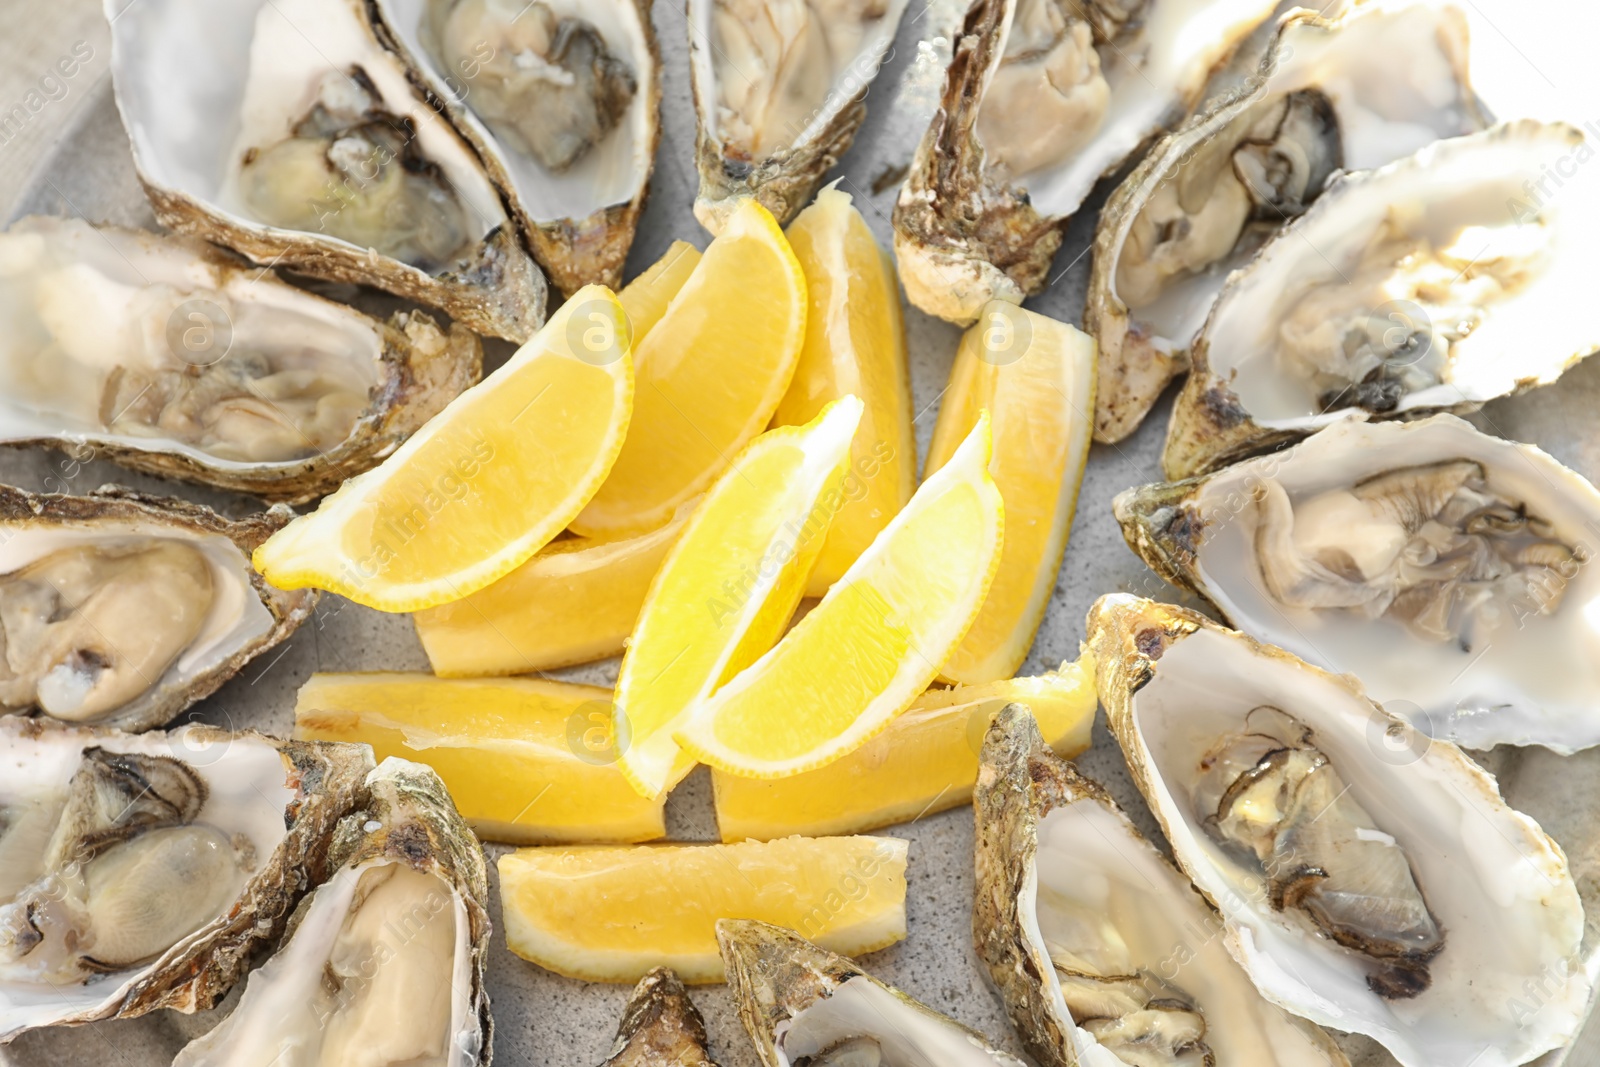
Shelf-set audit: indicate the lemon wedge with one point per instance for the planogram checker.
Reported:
(872, 645)
(711, 372)
(611, 914)
(485, 484)
(855, 345)
(647, 297)
(1036, 379)
(526, 760)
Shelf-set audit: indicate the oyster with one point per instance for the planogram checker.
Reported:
(384, 962)
(561, 99)
(1096, 942)
(124, 609)
(804, 1006)
(1442, 281)
(1368, 879)
(1443, 567)
(141, 870)
(779, 91)
(1041, 99)
(659, 1026)
(285, 131)
(1349, 94)
(174, 358)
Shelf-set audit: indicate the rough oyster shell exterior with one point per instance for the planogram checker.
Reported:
(659, 1026)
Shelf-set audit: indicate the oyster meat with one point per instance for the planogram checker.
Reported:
(1368, 879)
(1443, 567)
(1041, 99)
(1444, 280)
(780, 89)
(141, 870)
(384, 962)
(124, 609)
(174, 358)
(1347, 94)
(287, 132)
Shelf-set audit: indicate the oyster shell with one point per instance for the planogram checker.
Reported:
(141, 870)
(1041, 99)
(562, 100)
(1368, 879)
(123, 609)
(779, 92)
(804, 1006)
(1443, 567)
(1441, 281)
(1347, 94)
(1097, 944)
(383, 962)
(659, 1026)
(285, 131)
(175, 358)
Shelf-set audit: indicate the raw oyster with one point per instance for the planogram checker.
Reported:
(561, 98)
(141, 870)
(1443, 567)
(1368, 879)
(804, 1006)
(175, 358)
(1041, 99)
(660, 1026)
(1442, 281)
(1348, 94)
(779, 91)
(124, 609)
(384, 962)
(285, 131)
(1096, 942)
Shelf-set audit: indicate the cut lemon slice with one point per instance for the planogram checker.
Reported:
(646, 298)
(526, 760)
(729, 586)
(574, 602)
(1036, 378)
(611, 914)
(485, 484)
(925, 762)
(711, 372)
(855, 345)
(875, 641)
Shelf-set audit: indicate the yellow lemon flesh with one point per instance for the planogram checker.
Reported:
(485, 484)
(872, 645)
(526, 760)
(1036, 379)
(611, 914)
(647, 297)
(855, 345)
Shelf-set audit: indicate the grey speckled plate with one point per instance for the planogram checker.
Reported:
(545, 1020)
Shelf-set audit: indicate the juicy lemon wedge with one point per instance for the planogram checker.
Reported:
(1036, 379)
(875, 641)
(729, 586)
(711, 372)
(485, 484)
(855, 345)
(925, 762)
(526, 760)
(612, 914)
(648, 296)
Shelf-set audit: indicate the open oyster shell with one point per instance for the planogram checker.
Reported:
(562, 100)
(1445, 568)
(1347, 94)
(1096, 943)
(805, 1005)
(779, 92)
(1442, 281)
(169, 857)
(123, 609)
(173, 357)
(383, 962)
(287, 132)
(1041, 99)
(1368, 879)
(660, 1026)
